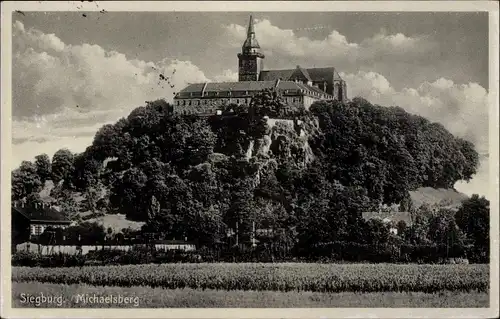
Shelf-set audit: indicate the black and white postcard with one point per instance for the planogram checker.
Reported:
(249, 159)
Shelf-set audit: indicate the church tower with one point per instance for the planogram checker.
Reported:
(250, 59)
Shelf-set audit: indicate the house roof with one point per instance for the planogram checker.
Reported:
(315, 74)
(273, 75)
(249, 86)
(301, 73)
(324, 74)
(392, 216)
(43, 214)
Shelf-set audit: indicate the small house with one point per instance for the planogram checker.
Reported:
(30, 221)
(392, 218)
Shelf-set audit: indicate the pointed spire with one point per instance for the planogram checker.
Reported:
(251, 42)
(251, 29)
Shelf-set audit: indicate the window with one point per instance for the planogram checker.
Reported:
(37, 230)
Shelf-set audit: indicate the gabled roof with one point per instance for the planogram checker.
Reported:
(44, 214)
(324, 74)
(314, 74)
(250, 86)
(273, 75)
(301, 73)
(392, 216)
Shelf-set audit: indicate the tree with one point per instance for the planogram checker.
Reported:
(386, 150)
(43, 167)
(269, 102)
(402, 229)
(126, 194)
(91, 199)
(473, 217)
(377, 231)
(34, 200)
(85, 172)
(62, 165)
(108, 141)
(419, 230)
(154, 209)
(85, 233)
(68, 204)
(25, 180)
(153, 219)
(443, 230)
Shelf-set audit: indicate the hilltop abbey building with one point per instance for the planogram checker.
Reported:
(298, 86)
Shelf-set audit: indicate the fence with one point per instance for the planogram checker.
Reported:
(85, 249)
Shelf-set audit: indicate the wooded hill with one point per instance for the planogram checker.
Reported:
(195, 177)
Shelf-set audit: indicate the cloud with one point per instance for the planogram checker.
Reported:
(63, 93)
(226, 76)
(334, 47)
(461, 108)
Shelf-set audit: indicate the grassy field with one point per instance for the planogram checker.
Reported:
(194, 298)
(272, 277)
(263, 285)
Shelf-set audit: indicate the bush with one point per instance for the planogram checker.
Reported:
(24, 258)
(55, 260)
(383, 253)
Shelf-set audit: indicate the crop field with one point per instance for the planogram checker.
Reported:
(196, 298)
(271, 277)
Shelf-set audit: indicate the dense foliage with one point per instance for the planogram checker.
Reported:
(389, 151)
(307, 181)
(276, 277)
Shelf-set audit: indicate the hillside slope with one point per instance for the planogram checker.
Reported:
(445, 198)
(310, 172)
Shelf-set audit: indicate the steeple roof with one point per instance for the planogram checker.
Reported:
(251, 41)
(251, 28)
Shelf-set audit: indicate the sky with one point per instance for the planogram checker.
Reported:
(76, 71)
